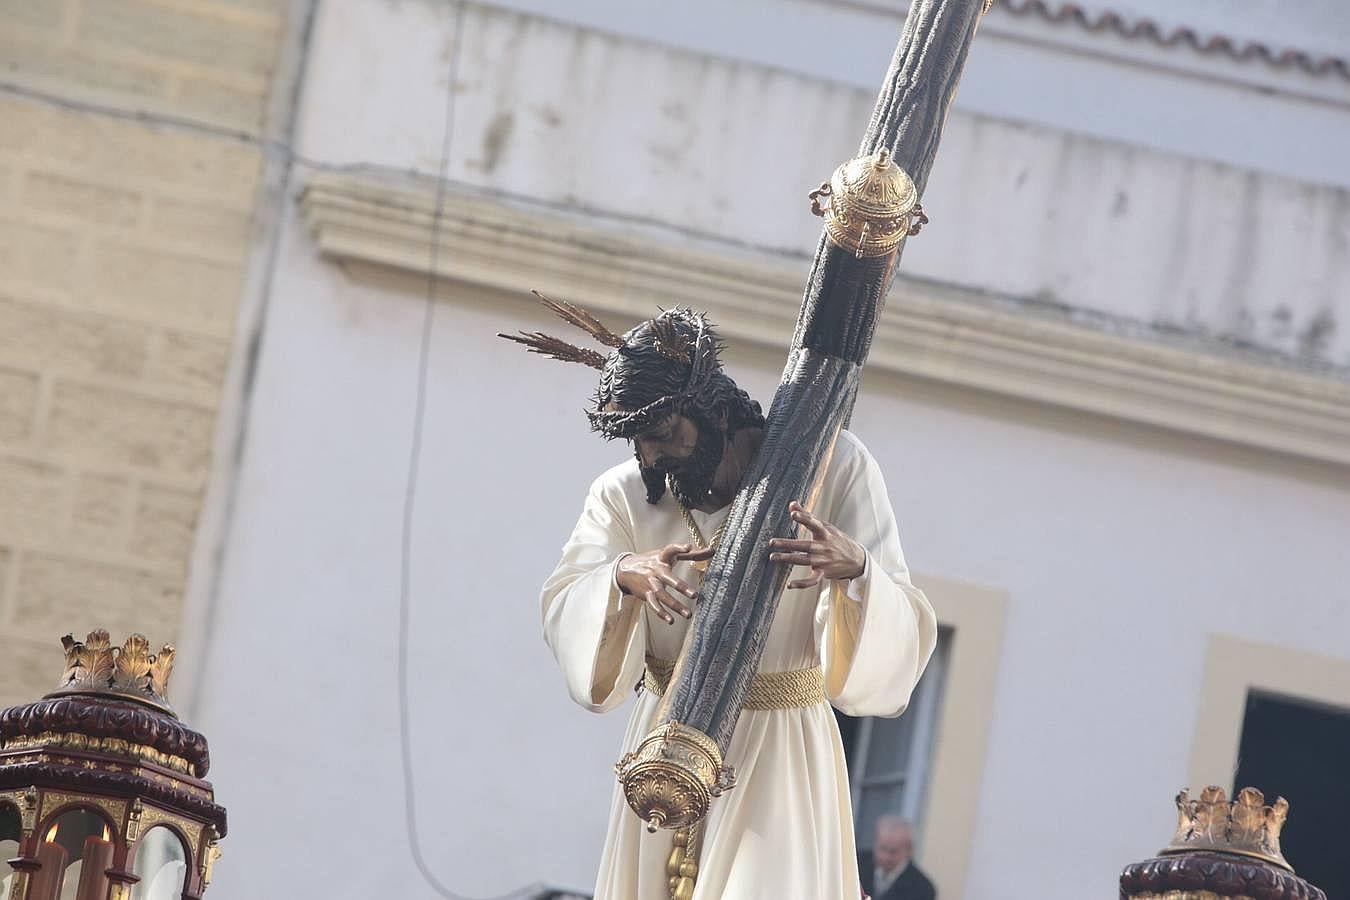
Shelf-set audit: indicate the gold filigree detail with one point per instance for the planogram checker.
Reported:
(116, 810)
(1192, 895)
(94, 666)
(673, 775)
(25, 801)
(869, 205)
(153, 815)
(1246, 826)
(211, 856)
(19, 887)
(115, 746)
(134, 818)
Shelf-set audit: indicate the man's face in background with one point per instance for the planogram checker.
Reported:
(894, 846)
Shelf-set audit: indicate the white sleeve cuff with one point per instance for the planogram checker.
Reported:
(855, 588)
(614, 576)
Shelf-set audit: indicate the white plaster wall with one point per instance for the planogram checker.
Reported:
(641, 133)
(1121, 548)
(1055, 75)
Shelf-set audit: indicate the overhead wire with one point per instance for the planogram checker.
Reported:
(410, 489)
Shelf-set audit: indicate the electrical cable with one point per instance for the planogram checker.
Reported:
(410, 492)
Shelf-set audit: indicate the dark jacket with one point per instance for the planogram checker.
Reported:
(911, 885)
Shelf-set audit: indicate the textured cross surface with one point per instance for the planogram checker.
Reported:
(852, 272)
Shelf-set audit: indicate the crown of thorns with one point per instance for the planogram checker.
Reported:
(694, 345)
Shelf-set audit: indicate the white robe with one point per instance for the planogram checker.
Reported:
(785, 831)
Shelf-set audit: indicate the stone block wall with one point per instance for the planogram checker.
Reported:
(124, 246)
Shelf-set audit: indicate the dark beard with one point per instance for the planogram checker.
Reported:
(694, 478)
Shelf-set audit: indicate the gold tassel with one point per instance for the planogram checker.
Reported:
(682, 866)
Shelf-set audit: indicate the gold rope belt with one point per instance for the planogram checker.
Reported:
(797, 689)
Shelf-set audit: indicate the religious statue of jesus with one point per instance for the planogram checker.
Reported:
(850, 631)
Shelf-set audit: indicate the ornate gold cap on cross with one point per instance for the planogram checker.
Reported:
(673, 776)
(129, 672)
(870, 205)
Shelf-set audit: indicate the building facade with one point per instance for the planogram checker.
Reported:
(1110, 395)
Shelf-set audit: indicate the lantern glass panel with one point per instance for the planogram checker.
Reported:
(77, 834)
(11, 829)
(161, 862)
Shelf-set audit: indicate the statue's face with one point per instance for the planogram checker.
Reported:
(667, 445)
(685, 450)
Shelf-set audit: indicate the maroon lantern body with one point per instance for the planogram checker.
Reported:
(102, 789)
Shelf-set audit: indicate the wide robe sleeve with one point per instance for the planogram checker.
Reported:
(595, 632)
(875, 633)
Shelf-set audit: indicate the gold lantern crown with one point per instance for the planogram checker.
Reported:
(94, 666)
(1246, 826)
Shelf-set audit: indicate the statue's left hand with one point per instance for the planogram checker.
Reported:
(829, 552)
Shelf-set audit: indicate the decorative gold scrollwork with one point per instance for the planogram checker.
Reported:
(671, 778)
(115, 810)
(134, 821)
(115, 746)
(28, 810)
(153, 815)
(210, 857)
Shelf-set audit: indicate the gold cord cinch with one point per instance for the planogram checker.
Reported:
(795, 689)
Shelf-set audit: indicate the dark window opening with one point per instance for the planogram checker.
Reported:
(889, 759)
(1299, 750)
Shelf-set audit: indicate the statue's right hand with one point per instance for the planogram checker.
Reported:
(650, 576)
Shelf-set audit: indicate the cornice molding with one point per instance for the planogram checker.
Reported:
(931, 331)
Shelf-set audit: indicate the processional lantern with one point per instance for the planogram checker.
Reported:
(1221, 850)
(102, 794)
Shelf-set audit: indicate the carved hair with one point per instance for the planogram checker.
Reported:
(667, 365)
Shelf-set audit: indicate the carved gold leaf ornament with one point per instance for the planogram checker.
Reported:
(133, 663)
(98, 652)
(161, 667)
(94, 666)
(1246, 826)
